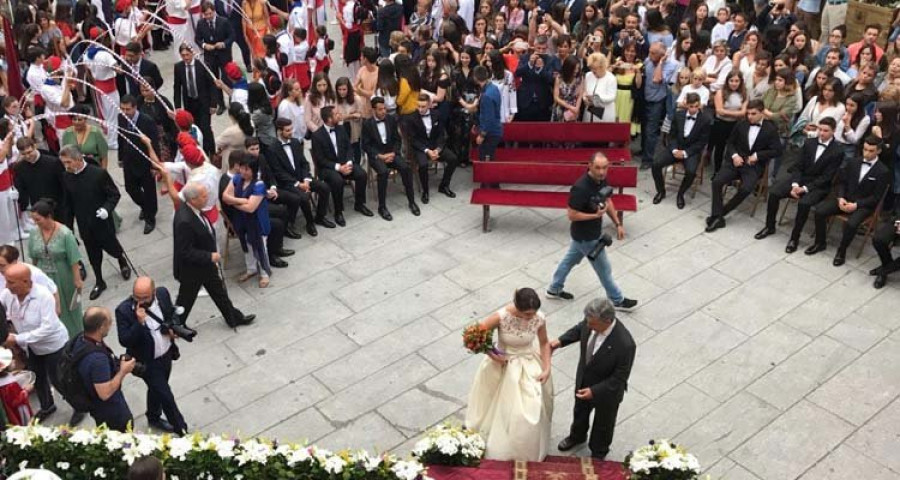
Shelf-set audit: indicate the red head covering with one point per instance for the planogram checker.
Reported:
(183, 119)
(184, 139)
(122, 5)
(233, 71)
(193, 156)
(275, 21)
(94, 33)
(53, 64)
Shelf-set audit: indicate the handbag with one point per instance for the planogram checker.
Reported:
(595, 111)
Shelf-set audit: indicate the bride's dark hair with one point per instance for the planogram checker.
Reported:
(526, 299)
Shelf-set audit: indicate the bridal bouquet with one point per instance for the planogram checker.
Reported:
(451, 446)
(478, 339)
(662, 460)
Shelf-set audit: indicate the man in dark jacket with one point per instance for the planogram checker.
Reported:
(388, 19)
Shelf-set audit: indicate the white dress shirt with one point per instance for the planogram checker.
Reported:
(382, 130)
(865, 167)
(752, 133)
(689, 121)
(599, 338)
(161, 342)
(37, 325)
(426, 119)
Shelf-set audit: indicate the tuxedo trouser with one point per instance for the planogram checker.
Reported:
(95, 243)
(335, 181)
(46, 372)
(278, 222)
(295, 199)
(214, 285)
(829, 207)
(602, 428)
(450, 163)
(782, 190)
(749, 176)
(382, 171)
(203, 120)
(159, 394)
(141, 187)
(664, 158)
(718, 139)
(885, 235)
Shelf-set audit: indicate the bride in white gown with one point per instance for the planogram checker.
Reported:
(511, 401)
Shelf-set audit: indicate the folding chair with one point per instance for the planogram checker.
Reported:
(678, 173)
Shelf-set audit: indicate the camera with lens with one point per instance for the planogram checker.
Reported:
(173, 323)
(598, 201)
(139, 368)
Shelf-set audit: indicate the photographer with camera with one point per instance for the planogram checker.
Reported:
(589, 200)
(148, 323)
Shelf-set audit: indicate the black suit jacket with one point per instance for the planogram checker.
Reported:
(132, 151)
(136, 338)
(194, 245)
(146, 69)
(87, 191)
(205, 85)
(694, 143)
(766, 147)
(868, 192)
(371, 139)
(536, 85)
(608, 371)
(419, 137)
(817, 174)
(282, 172)
(323, 150)
(220, 32)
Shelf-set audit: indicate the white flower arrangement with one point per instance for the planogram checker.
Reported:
(662, 459)
(102, 453)
(450, 445)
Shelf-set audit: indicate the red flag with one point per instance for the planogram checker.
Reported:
(15, 86)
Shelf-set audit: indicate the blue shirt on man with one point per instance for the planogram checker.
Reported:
(489, 111)
(656, 92)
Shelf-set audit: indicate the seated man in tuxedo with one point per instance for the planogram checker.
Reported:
(886, 235)
(754, 142)
(333, 157)
(285, 169)
(427, 145)
(381, 141)
(809, 181)
(861, 184)
(687, 140)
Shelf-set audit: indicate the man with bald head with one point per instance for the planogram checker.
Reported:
(39, 332)
(139, 322)
(658, 71)
(197, 258)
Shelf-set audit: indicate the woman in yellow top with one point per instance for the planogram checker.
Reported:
(628, 74)
(410, 84)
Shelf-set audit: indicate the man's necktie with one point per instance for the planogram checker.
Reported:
(592, 343)
(192, 85)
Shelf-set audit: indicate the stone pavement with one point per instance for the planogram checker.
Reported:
(766, 365)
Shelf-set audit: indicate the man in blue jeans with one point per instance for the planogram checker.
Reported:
(586, 229)
(658, 71)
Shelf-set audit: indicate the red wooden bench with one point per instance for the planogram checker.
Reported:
(592, 137)
(510, 173)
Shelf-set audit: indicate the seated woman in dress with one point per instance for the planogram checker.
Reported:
(511, 400)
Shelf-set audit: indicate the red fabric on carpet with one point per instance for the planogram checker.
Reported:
(553, 468)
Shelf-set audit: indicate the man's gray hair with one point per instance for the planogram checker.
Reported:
(71, 151)
(191, 191)
(600, 309)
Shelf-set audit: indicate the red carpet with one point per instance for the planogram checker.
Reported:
(552, 468)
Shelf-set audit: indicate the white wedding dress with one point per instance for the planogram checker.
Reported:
(507, 404)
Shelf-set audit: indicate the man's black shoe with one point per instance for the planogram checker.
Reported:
(717, 223)
(289, 232)
(425, 198)
(311, 229)
(626, 304)
(220, 110)
(324, 222)
(791, 246)
(124, 269)
(658, 197)
(141, 215)
(880, 280)
(76, 418)
(284, 252)
(679, 201)
(446, 191)
(414, 209)
(339, 219)
(815, 248)
(839, 258)
(277, 262)
(42, 414)
(244, 320)
(765, 232)
(149, 226)
(161, 424)
(567, 444)
(709, 220)
(385, 214)
(876, 271)
(364, 210)
(97, 290)
(560, 294)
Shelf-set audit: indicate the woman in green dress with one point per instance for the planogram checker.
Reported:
(53, 249)
(88, 138)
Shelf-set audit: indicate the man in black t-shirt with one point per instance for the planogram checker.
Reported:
(586, 216)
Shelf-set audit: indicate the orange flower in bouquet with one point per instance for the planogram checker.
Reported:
(478, 339)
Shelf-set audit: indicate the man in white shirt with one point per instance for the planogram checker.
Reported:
(9, 255)
(832, 64)
(39, 332)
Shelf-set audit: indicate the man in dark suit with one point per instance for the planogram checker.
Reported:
(381, 141)
(886, 235)
(37, 176)
(140, 67)
(607, 353)
(333, 157)
(230, 9)
(428, 144)
(214, 36)
(139, 322)
(534, 93)
(140, 183)
(687, 140)
(196, 259)
(194, 88)
(286, 170)
(861, 185)
(754, 142)
(809, 181)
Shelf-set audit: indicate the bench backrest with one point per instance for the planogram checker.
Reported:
(547, 174)
(579, 132)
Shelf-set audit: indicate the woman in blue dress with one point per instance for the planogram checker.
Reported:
(247, 194)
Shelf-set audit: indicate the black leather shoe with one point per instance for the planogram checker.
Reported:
(425, 198)
(765, 232)
(414, 209)
(162, 424)
(149, 226)
(339, 219)
(815, 248)
(567, 444)
(220, 110)
(658, 197)
(324, 222)
(679, 201)
(291, 233)
(311, 229)
(141, 215)
(42, 414)
(284, 252)
(276, 262)
(446, 191)
(791, 246)
(709, 220)
(876, 271)
(364, 210)
(76, 418)
(124, 269)
(717, 223)
(880, 281)
(385, 214)
(97, 290)
(839, 258)
(244, 320)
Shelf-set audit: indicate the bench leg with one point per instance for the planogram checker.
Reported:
(621, 216)
(486, 218)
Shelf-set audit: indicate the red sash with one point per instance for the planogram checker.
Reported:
(212, 215)
(6, 180)
(106, 86)
(176, 20)
(300, 72)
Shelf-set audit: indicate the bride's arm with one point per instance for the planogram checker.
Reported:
(545, 353)
(491, 323)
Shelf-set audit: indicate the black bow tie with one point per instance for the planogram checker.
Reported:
(378, 121)
(285, 144)
(759, 125)
(823, 145)
(428, 115)
(867, 162)
(330, 130)
(691, 117)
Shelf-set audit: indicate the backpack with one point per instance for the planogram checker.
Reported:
(71, 384)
